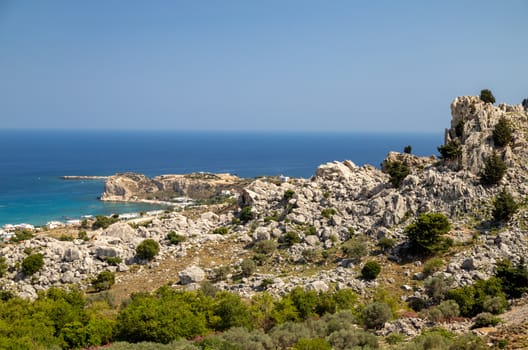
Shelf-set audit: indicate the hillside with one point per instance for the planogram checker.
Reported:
(273, 235)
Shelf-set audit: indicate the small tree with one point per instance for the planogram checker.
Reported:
(288, 194)
(459, 128)
(375, 315)
(371, 270)
(32, 264)
(450, 151)
(246, 214)
(426, 233)
(487, 96)
(147, 249)
(407, 149)
(494, 170)
(104, 281)
(397, 172)
(502, 133)
(504, 206)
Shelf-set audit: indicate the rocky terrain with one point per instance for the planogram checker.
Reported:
(341, 202)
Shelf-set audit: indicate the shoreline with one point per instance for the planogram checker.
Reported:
(83, 177)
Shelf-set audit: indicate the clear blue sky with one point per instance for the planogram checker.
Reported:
(255, 65)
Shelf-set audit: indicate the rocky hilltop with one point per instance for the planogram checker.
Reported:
(312, 221)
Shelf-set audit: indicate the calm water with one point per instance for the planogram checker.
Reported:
(31, 162)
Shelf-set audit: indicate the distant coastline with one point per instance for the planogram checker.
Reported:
(83, 177)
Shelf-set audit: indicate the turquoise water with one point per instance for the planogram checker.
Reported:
(31, 162)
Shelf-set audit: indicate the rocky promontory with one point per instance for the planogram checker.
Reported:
(134, 187)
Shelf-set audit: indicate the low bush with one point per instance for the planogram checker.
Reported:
(266, 246)
(3, 266)
(246, 214)
(32, 264)
(104, 281)
(514, 279)
(386, 243)
(437, 287)
(371, 270)
(175, 238)
(103, 221)
(485, 319)
(288, 194)
(22, 235)
(376, 314)
(312, 344)
(248, 267)
(290, 238)
(147, 249)
(113, 260)
(327, 213)
(432, 265)
(445, 311)
(350, 338)
(354, 249)
(221, 231)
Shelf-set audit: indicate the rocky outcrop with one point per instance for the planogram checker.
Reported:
(132, 186)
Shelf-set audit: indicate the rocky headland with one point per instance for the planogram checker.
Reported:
(310, 220)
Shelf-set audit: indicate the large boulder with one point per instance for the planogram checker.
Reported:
(192, 274)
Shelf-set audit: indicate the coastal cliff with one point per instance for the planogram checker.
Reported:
(303, 232)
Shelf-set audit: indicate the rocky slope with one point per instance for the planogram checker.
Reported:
(342, 201)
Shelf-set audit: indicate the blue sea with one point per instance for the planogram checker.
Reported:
(32, 162)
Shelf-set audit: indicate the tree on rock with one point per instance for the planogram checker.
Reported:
(504, 206)
(502, 133)
(450, 151)
(397, 172)
(494, 170)
(147, 249)
(32, 264)
(487, 96)
(426, 233)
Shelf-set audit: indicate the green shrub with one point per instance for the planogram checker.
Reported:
(386, 243)
(445, 311)
(221, 231)
(426, 233)
(289, 333)
(22, 235)
(266, 246)
(113, 260)
(504, 206)
(487, 96)
(494, 170)
(350, 338)
(514, 279)
(82, 235)
(288, 194)
(483, 295)
(104, 281)
(147, 249)
(502, 133)
(407, 149)
(66, 238)
(311, 254)
(248, 267)
(290, 238)
(327, 213)
(450, 151)
(246, 214)
(485, 319)
(312, 344)
(432, 265)
(376, 314)
(175, 238)
(354, 249)
(32, 264)
(243, 339)
(437, 287)
(397, 172)
(221, 273)
(3, 266)
(103, 221)
(310, 231)
(371, 270)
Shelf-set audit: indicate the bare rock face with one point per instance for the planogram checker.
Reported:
(192, 274)
(131, 186)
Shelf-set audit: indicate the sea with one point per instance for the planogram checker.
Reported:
(32, 162)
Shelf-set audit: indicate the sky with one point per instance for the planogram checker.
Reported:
(274, 65)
